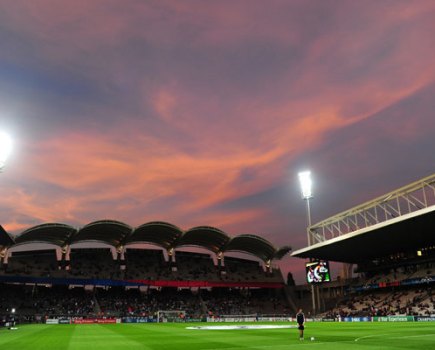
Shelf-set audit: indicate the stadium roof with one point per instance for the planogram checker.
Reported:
(163, 234)
(206, 237)
(5, 238)
(256, 246)
(412, 231)
(107, 231)
(51, 233)
(398, 222)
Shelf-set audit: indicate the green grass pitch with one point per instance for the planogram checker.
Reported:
(334, 336)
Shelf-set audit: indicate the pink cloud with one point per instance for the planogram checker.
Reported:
(192, 96)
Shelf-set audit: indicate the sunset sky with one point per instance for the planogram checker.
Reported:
(203, 112)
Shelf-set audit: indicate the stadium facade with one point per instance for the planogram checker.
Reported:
(109, 268)
(120, 236)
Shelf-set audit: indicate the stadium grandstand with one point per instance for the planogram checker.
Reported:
(387, 250)
(108, 269)
(155, 272)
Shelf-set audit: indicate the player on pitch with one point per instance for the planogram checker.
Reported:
(300, 319)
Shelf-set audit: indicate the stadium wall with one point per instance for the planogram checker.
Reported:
(235, 319)
(136, 283)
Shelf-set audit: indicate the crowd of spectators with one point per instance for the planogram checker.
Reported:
(244, 302)
(416, 302)
(63, 301)
(120, 302)
(92, 263)
(39, 302)
(139, 264)
(398, 273)
(384, 294)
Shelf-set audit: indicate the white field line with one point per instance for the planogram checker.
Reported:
(239, 327)
(370, 336)
(400, 337)
(414, 336)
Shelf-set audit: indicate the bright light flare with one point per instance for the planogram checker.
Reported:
(306, 184)
(5, 148)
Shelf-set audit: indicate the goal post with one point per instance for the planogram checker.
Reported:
(171, 315)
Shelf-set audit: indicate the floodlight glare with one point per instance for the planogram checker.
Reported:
(5, 148)
(306, 184)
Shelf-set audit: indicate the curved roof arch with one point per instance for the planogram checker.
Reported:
(210, 238)
(6, 239)
(111, 232)
(252, 244)
(52, 233)
(160, 233)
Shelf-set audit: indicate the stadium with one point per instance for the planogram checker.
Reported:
(141, 288)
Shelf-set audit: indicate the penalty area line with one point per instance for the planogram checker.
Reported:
(370, 336)
(414, 336)
(389, 336)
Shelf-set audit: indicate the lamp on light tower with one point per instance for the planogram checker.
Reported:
(5, 148)
(306, 191)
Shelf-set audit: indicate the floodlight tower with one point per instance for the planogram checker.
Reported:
(306, 191)
(5, 148)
